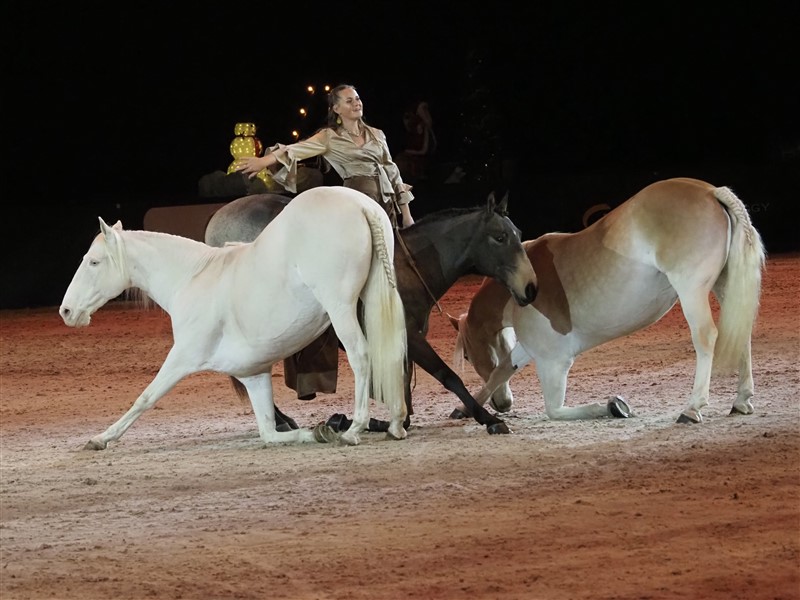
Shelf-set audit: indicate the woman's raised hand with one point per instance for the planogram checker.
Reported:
(250, 165)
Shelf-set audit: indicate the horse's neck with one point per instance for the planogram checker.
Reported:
(161, 263)
(438, 254)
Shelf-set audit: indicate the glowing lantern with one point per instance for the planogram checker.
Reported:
(247, 144)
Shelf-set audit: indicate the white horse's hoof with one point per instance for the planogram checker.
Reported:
(742, 409)
(349, 438)
(394, 435)
(95, 445)
(618, 408)
(690, 419)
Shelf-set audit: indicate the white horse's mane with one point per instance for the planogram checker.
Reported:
(119, 258)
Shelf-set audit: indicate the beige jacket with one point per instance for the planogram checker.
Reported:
(347, 159)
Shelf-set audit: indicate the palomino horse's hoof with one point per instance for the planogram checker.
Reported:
(619, 408)
(458, 414)
(325, 434)
(500, 427)
(499, 409)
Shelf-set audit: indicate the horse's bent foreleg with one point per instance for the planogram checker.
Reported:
(499, 376)
(282, 422)
(425, 356)
(259, 389)
(504, 341)
(553, 379)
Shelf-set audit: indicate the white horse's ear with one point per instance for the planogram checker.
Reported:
(110, 233)
(106, 229)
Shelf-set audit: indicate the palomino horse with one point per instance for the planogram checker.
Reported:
(677, 239)
(240, 309)
(429, 258)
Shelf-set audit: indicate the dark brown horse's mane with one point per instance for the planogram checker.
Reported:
(448, 213)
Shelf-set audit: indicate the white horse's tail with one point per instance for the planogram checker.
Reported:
(384, 320)
(740, 297)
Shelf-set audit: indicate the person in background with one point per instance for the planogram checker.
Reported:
(357, 152)
(420, 142)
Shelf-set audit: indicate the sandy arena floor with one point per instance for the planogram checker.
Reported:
(188, 504)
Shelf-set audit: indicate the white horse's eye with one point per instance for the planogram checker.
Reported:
(93, 262)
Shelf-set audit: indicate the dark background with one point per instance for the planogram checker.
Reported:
(111, 109)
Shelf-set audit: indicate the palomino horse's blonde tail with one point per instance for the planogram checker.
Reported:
(739, 299)
(384, 320)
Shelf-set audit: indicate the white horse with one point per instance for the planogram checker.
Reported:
(678, 239)
(240, 309)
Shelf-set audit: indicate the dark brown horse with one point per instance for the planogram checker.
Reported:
(430, 256)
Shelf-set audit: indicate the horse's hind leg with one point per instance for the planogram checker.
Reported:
(282, 422)
(355, 345)
(745, 390)
(698, 315)
(259, 389)
(742, 404)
